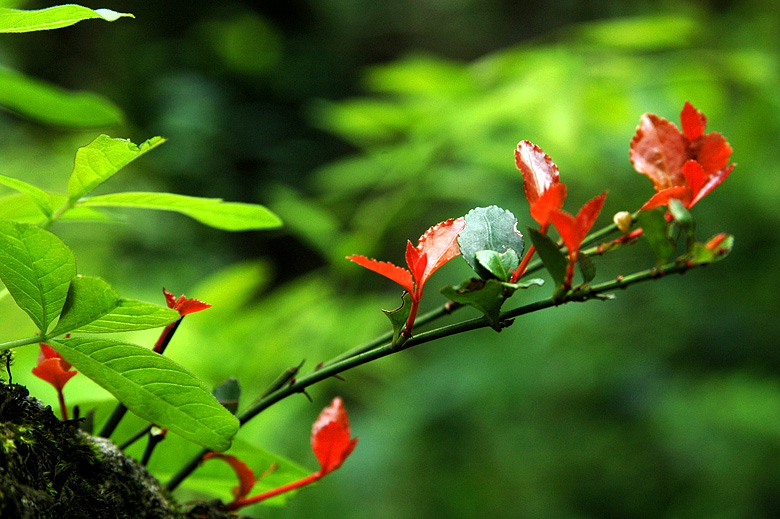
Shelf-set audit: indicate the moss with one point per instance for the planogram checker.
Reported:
(50, 469)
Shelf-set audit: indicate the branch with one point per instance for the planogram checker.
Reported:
(355, 358)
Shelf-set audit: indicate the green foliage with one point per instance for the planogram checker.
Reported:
(554, 260)
(51, 105)
(17, 20)
(656, 231)
(36, 268)
(153, 387)
(100, 160)
(89, 299)
(214, 212)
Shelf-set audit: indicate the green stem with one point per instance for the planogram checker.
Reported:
(344, 363)
(22, 342)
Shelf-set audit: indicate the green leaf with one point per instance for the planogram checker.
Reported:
(489, 228)
(89, 299)
(131, 315)
(17, 20)
(500, 265)
(553, 259)
(485, 296)
(55, 106)
(41, 198)
(36, 268)
(228, 216)
(153, 387)
(655, 229)
(398, 318)
(22, 208)
(701, 254)
(227, 394)
(101, 159)
(587, 268)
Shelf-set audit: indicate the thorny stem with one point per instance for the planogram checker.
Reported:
(385, 348)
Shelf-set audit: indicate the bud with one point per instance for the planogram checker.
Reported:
(623, 221)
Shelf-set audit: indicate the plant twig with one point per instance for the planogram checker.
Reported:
(343, 362)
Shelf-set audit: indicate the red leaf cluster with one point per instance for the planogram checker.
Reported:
(546, 194)
(685, 165)
(574, 229)
(53, 368)
(434, 248)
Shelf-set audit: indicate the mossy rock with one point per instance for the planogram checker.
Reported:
(51, 469)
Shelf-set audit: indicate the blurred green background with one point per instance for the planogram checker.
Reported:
(363, 123)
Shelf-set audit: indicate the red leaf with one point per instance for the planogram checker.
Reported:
(566, 225)
(438, 245)
(712, 152)
(712, 182)
(330, 437)
(400, 275)
(693, 122)
(662, 197)
(659, 151)
(694, 176)
(246, 478)
(53, 368)
(550, 202)
(539, 171)
(573, 230)
(587, 215)
(183, 305)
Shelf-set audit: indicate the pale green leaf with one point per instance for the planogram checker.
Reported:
(101, 159)
(228, 216)
(154, 387)
(489, 228)
(55, 106)
(130, 315)
(41, 198)
(18, 20)
(36, 268)
(89, 299)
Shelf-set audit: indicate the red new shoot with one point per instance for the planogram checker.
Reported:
(330, 441)
(686, 165)
(543, 189)
(574, 229)
(56, 371)
(182, 305)
(435, 248)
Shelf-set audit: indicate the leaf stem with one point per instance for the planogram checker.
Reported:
(356, 358)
